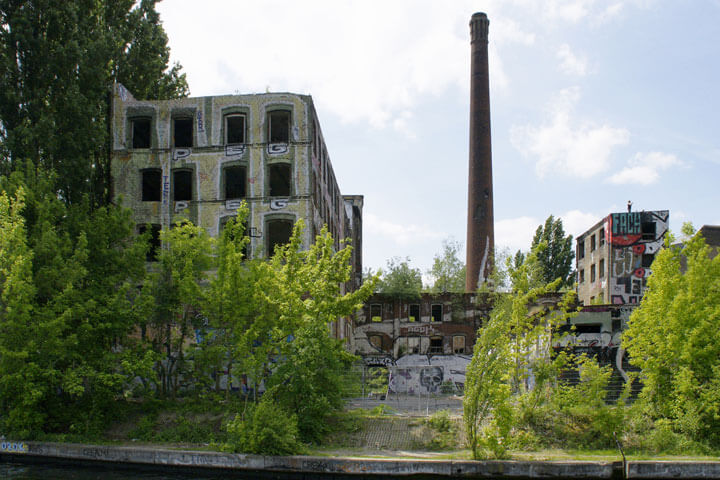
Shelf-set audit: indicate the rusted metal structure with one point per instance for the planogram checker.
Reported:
(480, 230)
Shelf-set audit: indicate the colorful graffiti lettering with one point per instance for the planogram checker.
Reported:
(13, 447)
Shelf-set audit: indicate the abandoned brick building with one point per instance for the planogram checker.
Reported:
(198, 158)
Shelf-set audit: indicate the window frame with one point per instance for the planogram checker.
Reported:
(133, 122)
(183, 118)
(276, 112)
(182, 171)
(234, 115)
(143, 183)
(225, 169)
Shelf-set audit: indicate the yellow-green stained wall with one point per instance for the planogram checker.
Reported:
(314, 193)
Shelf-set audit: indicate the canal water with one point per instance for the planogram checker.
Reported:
(36, 471)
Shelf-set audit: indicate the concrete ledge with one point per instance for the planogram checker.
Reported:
(349, 466)
(302, 465)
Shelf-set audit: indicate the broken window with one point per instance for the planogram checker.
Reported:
(279, 182)
(592, 243)
(183, 132)
(581, 249)
(234, 129)
(648, 230)
(376, 312)
(601, 236)
(279, 126)
(458, 343)
(154, 229)
(436, 345)
(140, 133)
(376, 341)
(581, 276)
(151, 185)
(647, 259)
(413, 344)
(601, 268)
(436, 313)
(588, 328)
(182, 185)
(278, 234)
(592, 273)
(414, 312)
(235, 179)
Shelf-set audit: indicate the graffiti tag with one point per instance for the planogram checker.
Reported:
(13, 447)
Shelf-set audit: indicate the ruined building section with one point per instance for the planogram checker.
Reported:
(199, 158)
(480, 227)
(423, 342)
(614, 257)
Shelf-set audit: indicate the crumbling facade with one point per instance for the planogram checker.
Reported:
(199, 158)
(614, 257)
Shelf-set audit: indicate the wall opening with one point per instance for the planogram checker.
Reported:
(414, 314)
(151, 185)
(459, 344)
(235, 182)
(436, 313)
(140, 133)
(183, 132)
(234, 129)
(649, 230)
(152, 253)
(182, 185)
(436, 345)
(413, 345)
(376, 312)
(279, 181)
(279, 126)
(278, 234)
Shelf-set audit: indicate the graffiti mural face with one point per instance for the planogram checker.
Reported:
(431, 378)
(634, 237)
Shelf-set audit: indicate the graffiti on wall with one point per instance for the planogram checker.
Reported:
(635, 238)
(424, 374)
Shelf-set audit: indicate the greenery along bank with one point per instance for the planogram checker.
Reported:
(517, 396)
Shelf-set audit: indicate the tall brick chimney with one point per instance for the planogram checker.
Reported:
(480, 229)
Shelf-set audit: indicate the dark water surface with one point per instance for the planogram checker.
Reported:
(39, 471)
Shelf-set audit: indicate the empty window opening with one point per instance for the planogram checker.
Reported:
(278, 234)
(279, 126)
(648, 230)
(601, 268)
(183, 132)
(601, 236)
(376, 312)
(141, 133)
(414, 312)
(413, 344)
(234, 129)
(647, 259)
(151, 185)
(436, 313)
(588, 328)
(581, 249)
(592, 243)
(152, 253)
(592, 273)
(581, 276)
(459, 344)
(279, 182)
(182, 185)
(436, 345)
(235, 180)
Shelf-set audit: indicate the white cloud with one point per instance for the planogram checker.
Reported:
(645, 168)
(570, 63)
(515, 233)
(576, 222)
(397, 233)
(567, 145)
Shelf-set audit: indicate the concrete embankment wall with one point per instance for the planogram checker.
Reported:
(310, 467)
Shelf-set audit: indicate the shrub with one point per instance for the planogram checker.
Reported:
(267, 429)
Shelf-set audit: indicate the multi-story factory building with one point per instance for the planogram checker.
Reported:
(199, 158)
(614, 257)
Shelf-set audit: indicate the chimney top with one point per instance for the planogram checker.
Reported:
(479, 27)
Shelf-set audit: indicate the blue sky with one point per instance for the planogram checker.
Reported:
(593, 103)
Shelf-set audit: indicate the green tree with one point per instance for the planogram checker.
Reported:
(400, 280)
(554, 251)
(58, 61)
(673, 337)
(447, 270)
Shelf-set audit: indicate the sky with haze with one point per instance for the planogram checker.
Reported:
(593, 103)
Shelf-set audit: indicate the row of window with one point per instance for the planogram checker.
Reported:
(234, 132)
(596, 240)
(601, 269)
(411, 345)
(234, 183)
(436, 312)
(277, 233)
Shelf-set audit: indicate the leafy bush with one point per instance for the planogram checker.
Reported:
(267, 429)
